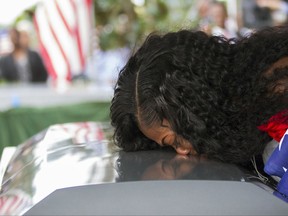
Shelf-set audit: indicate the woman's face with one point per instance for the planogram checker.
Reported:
(165, 136)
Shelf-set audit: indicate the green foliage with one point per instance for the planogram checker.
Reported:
(122, 23)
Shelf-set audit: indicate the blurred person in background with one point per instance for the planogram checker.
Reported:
(203, 20)
(279, 10)
(214, 20)
(255, 16)
(221, 23)
(258, 14)
(22, 64)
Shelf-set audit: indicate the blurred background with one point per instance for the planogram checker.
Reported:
(59, 60)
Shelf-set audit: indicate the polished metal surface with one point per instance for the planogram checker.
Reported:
(78, 154)
(167, 165)
(64, 155)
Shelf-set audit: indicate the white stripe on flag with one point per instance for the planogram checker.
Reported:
(85, 28)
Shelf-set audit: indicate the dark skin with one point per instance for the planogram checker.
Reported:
(165, 136)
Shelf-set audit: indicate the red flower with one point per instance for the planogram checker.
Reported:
(276, 125)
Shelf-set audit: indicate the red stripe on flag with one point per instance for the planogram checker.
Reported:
(68, 72)
(44, 53)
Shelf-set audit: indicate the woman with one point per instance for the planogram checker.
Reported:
(202, 95)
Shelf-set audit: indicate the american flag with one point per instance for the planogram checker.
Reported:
(64, 29)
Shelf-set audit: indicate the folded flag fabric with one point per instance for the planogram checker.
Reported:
(277, 163)
(281, 196)
(282, 186)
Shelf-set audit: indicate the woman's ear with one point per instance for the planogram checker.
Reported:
(281, 86)
(281, 63)
(280, 89)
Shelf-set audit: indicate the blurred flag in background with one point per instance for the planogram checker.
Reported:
(64, 29)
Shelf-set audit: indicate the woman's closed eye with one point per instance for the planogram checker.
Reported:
(164, 143)
(170, 141)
